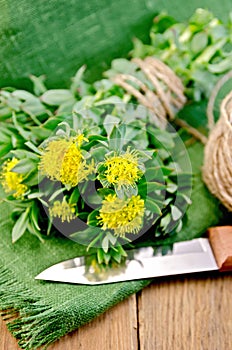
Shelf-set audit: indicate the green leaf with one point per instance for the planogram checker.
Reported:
(97, 238)
(25, 166)
(103, 192)
(94, 198)
(32, 230)
(176, 213)
(22, 153)
(5, 113)
(40, 132)
(100, 255)
(122, 65)
(30, 104)
(66, 107)
(152, 206)
(52, 123)
(155, 173)
(33, 107)
(109, 122)
(38, 84)
(165, 221)
(126, 191)
(208, 53)
(74, 196)
(111, 238)
(77, 79)
(222, 66)
(83, 215)
(4, 149)
(57, 97)
(33, 147)
(35, 195)
(98, 153)
(23, 95)
(171, 187)
(116, 255)
(161, 138)
(148, 187)
(20, 226)
(56, 194)
(34, 215)
(107, 257)
(25, 134)
(105, 244)
(92, 218)
(32, 178)
(121, 251)
(115, 141)
(199, 42)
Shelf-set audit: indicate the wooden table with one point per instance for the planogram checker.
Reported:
(193, 313)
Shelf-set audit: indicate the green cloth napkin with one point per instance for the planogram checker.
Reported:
(45, 311)
(48, 310)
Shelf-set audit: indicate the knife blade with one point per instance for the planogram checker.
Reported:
(197, 255)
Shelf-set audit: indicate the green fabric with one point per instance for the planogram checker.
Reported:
(49, 310)
(55, 38)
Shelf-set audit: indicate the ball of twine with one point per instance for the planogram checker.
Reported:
(160, 90)
(164, 96)
(217, 168)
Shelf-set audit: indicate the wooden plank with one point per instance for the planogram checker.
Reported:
(178, 314)
(7, 342)
(115, 329)
(189, 313)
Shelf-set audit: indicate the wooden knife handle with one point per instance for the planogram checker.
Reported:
(220, 238)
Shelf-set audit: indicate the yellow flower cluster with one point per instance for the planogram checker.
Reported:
(63, 211)
(122, 169)
(121, 216)
(12, 181)
(63, 161)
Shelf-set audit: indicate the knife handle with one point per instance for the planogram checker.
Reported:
(220, 238)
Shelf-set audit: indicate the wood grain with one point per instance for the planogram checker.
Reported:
(193, 313)
(116, 329)
(187, 314)
(7, 342)
(106, 332)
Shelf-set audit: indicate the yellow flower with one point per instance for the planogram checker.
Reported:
(52, 158)
(12, 181)
(63, 161)
(63, 211)
(121, 216)
(122, 170)
(74, 167)
(80, 139)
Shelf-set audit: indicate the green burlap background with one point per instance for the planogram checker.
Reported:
(55, 38)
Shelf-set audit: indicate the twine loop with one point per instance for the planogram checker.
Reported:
(217, 168)
(162, 92)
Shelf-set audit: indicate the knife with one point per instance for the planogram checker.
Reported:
(197, 255)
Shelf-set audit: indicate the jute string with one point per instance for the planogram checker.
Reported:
(166, 98)
(217, 168)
